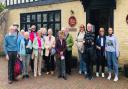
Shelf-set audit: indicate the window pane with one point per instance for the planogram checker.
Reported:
(28, 18)
(28, 26)
(57, 16)
(8, 2)
(57, 26)
(27, 0)
(51, 17)
(51, 26)
(11, 2)
(44, 17)
(38, 17)
(33, 18)
(22, 26)
(23, 18)
(19, 1)
(23, 1)
(15, 1)
(31, 0)
(45, 26)
(38, 26)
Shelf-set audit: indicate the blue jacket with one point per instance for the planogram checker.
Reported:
(23, 48)
(10, 43)
(98, 43)
(20, 37)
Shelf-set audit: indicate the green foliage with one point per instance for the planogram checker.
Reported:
(2, 7)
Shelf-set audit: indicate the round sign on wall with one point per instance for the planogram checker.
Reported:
(72, 21)
(127, 19)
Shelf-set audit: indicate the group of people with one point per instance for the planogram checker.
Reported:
(41, 50)
(100, 50)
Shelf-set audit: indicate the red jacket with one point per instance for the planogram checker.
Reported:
(31, 36)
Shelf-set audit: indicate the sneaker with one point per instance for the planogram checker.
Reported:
(64, 77)
(80, 72)
(52, 72)
(10, 82)
(27, 76)
(85, 73)
(39, 74)
(97, 74)
(109, 77)
(35, 75)
(59, 76)
(90, 78)
(47, 73)
(115, 79)
(103, 75)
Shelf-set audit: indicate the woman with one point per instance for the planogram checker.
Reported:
(112, 53)
(80, 46)
(50, 47)
(70, 43)
(32, 35)
(60, 52)
(38, 46)
(25, 52)
(100, 46)
(11, 50)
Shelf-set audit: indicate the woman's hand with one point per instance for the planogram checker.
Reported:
(7, 57)
(99, 48)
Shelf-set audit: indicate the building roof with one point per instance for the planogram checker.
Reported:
(37, 3)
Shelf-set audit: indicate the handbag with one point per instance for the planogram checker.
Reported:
(53, 51)
(18, 67)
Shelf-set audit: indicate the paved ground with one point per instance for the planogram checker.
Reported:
(75, 81)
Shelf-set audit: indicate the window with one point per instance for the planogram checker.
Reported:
(13, 2)
(47, 19)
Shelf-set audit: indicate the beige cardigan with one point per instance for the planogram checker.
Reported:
(49, 44)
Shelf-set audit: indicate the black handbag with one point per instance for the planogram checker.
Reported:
(28, 51)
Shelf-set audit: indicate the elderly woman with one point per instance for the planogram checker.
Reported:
(38, 46)
(49, 52)
(25, 52)
(60, 54)
(70, 43)
(80, 46)
(11, 49)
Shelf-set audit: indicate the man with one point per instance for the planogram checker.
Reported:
(69, 43)
(11, 49)
(89, 50)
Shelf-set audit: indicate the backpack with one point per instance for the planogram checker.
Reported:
(17, 67)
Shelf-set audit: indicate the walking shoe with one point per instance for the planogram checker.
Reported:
(109, 77)
(39, 74)
(59, 76)
(90, 78)
(35, 75)
(115, 79)
(97, 74)
(52, 72)
(10, 82)
(80, 72)
(27, 76)
(64, 77)
(47, 73)
(103, 75)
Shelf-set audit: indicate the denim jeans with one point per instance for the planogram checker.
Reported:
(82, 66)
(26, 60)
(112, 62)
(61, 67)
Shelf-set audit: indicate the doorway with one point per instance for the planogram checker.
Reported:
(100, 18)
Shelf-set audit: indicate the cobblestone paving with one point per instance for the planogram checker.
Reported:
(75, 81)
